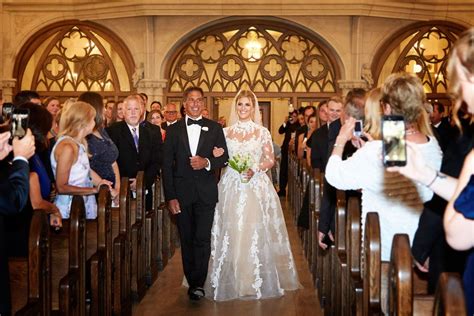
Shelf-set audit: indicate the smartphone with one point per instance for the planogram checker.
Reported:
(394, 142)
(358, 128)
(19, 122)
(7, 110)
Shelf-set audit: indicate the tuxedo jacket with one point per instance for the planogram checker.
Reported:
(149, 155)
(180, 180)
(14, 188)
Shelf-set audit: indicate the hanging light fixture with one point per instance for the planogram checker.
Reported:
(253, 46)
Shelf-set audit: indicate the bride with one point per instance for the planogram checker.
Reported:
(250, 251)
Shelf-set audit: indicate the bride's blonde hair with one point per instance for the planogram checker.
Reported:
(256, 115)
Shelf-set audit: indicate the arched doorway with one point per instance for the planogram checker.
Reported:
(70, 57)
(282, 63)
(422, 49)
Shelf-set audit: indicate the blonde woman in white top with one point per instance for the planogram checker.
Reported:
(397, 199)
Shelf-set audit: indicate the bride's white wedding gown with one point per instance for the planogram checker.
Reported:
(250, 255)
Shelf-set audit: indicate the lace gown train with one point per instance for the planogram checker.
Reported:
(250, 256)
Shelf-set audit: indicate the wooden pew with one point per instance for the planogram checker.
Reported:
(372, 265)
(353, 244)
(340, 269)
(30, 278)
(68, 263)
(315, 203)
(121, 234)
(158, 206)
(152, 237)
(101, 261)
(402, 298)
(449, 298)
(138, 259)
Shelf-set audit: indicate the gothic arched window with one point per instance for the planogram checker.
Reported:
(72, 57)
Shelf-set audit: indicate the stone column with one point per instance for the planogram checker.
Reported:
(154, 88)
(347, 85)
(7, 86)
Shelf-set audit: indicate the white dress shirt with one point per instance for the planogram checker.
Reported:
(194, 133)
(137, 130)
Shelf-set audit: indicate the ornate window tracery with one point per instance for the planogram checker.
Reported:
(422, 50)
(72, 58)
(259, 57)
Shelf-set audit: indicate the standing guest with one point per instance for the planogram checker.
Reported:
(53, 106)
(103, 153)
(205, 113)
(155, 105)
(14, 185)
(70, 160)
(458, 218)
(402, 94)
(288, 128)
(444, 132)
(117, 113)
(139, 145)
(303, 138)
(18, 226)
(323, 113)
(108, 113)
(190, 185)
(222, 121)
(303, 129)
(171, 115)
(26, 96)
(156, 118)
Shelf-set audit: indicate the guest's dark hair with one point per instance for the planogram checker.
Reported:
(97, 102)
(144, 96)
(439, 106)
(25, 96)
(191, 89)
(40, 122)
(356, 93)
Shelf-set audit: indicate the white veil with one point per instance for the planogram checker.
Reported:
(234, 117)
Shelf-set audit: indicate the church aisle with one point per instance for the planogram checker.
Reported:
(168, 297)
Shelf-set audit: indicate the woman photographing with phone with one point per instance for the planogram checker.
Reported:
(397, 200)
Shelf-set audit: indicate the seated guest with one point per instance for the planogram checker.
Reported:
(139, 145)
(397, 200)
(156, 118)
(14, 186)
(18, 226)
(70, 160)
(103, 153)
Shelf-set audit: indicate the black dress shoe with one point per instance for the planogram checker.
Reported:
(195, 293)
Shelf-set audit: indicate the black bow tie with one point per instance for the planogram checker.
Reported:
(191, 122)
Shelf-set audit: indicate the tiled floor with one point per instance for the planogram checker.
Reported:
(168, 297)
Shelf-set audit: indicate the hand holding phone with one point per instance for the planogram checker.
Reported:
(24, 147)
(394, 142)
(358, 128)
(19, 122)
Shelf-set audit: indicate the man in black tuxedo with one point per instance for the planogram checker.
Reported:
(14, 185)
(139, 145)
(191, 187)
(443, 130)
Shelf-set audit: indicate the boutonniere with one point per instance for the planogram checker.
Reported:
(205, 128)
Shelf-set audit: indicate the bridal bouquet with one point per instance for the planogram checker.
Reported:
(241, 163)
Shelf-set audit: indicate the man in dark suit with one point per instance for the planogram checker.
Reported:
(319, 144)
(191, 187)
(171, 115)
(14, 185)
(443, 130)
(139, 146)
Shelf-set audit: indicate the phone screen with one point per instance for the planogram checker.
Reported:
(358, 128)
(19, 122)
(394, 143)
